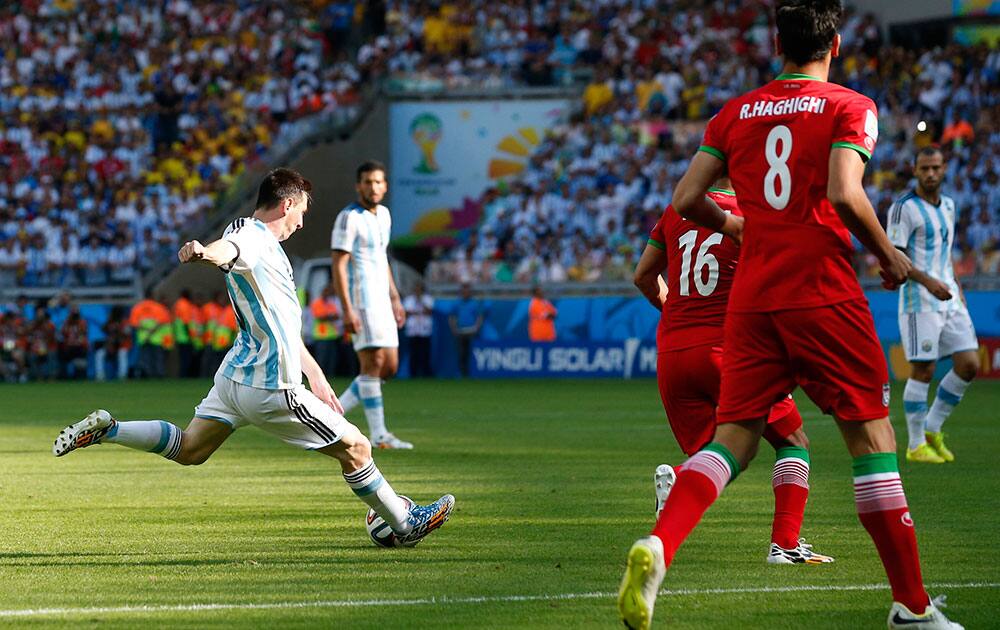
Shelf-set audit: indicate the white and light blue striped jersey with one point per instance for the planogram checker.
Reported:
(927, 233)
(260, 284)
(365, 236)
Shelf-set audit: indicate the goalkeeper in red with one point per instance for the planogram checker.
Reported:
(699, 264)
(796, 314)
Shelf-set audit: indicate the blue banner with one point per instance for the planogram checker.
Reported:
(625, 359)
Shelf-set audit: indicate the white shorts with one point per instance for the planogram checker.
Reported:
(933, 335)
(378, 329)
(294, 415)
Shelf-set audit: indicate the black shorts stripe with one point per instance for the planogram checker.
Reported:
(324, 432)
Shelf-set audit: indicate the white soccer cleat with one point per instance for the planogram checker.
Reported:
(663, 481)
(931, 619)
(86, 432)
(388, 440)
(802, 553)
(641, 583)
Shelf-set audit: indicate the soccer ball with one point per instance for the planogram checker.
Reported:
(379, 531)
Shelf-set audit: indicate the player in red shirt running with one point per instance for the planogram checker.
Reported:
(700, 264)
(797, 315)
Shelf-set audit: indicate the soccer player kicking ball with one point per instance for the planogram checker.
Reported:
(700, 264)
(797, 315)
(933, 319)
(260, 380)
(373, 312)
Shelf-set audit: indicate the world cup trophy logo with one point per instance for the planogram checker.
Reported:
(426, 132)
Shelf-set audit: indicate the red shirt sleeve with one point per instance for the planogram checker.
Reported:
(713, 141)
(856, 126)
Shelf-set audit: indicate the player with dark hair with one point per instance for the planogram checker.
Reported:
(700, 264)
(933, 320)
(373, 310)
(797, 315)
(260, 380)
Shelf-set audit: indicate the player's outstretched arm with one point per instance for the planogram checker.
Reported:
(648, 278)
(220, 252)
(318, 384)
(846, 193)
(691, 203)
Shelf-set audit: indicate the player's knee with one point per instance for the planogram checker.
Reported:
(967, 368)
(357, 449)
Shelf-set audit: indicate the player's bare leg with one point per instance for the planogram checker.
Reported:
(699, 482)
(354, 452)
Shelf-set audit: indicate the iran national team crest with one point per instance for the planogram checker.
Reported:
(885, 395)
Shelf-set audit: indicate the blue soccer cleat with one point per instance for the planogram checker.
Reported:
(424, 519)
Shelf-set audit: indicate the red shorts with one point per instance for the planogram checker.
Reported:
(832, 352)
(689, 388)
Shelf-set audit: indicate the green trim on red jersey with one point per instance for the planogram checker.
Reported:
(723, 191)
(850, 145)
(657, 244)
(713, 151)
(792, 76)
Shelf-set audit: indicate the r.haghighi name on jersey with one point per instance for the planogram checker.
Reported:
(365, 236)
(700, 268)
(926, 232)
(777, 139)
(260, 284)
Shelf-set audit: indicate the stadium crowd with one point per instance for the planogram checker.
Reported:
(121, 122)
(583, 208)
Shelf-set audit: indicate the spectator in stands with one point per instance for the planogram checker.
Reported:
(466, 320)
(74, 345)
(117, 343)
(541, 317)
(43, 347)
(419, 329)
(13, 347)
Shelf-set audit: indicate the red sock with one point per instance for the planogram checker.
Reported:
(698, 485)
(790, 480)
(882, 508)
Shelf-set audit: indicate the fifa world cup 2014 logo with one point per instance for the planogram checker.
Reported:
(426, 133)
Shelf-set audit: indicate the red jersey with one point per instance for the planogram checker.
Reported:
(777, 139)
(700, 268)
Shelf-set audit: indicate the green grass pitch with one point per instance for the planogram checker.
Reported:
(553, 483)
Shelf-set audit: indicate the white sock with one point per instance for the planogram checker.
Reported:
(949, 394)
(372, 488)
(915, 407)
(350, 398)
(370, 388)
(154, 436)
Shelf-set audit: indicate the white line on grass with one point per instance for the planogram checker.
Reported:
(484, 599)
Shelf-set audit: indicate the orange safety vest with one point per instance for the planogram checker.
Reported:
(541, 320)
(224, 328)
(151, 322)
(187, 323)
(208, 314)
(324, 313)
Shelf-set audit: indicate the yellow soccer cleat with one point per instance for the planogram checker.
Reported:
(936, 442)
(641, 583)
(924, 454)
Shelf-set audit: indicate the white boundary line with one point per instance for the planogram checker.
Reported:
(485, 599)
